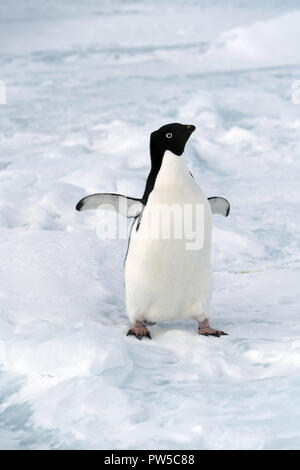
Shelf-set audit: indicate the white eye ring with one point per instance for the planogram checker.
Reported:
(169, 135)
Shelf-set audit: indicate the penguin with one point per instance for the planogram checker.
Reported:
(168, 274)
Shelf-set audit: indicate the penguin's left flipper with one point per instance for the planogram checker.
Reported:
(127, 206)
(219, 205)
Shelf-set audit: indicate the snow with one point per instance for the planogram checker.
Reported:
(86, 82)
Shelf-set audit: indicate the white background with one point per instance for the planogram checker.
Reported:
(86, 83)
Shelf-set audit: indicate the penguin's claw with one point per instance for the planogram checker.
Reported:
(139, 333)
(211, 332)
(149, 323)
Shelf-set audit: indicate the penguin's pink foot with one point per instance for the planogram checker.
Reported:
(139, 330)
(205, 330)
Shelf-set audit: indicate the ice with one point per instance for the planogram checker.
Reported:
(86, 83)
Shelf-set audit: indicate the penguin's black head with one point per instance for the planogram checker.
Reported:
(171, 137)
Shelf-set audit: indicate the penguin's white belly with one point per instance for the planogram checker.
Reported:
(168, 273)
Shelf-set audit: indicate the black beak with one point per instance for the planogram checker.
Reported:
(190, 127)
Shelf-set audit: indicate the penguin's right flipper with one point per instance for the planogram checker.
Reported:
(219, 205)
(127, 206)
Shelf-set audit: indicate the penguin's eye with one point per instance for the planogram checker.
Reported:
(169, 135)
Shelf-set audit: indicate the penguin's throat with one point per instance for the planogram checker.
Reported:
(173, 169)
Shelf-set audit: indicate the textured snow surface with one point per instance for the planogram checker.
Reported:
(86, 83)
